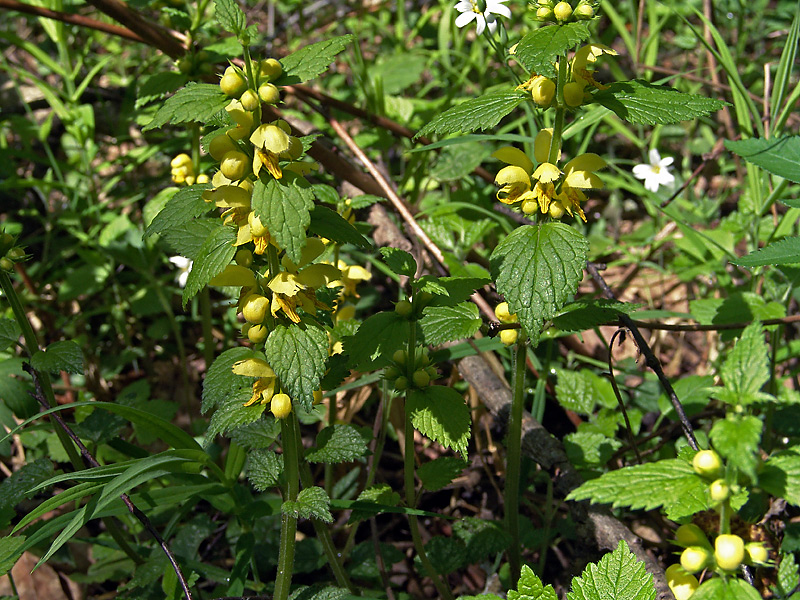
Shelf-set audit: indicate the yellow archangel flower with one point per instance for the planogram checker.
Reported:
(351, 276)
(584, 59)
(243, 119)
(264, 386)
(270, 141)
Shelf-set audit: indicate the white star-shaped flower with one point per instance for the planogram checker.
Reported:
(656, 173)
(184, 265)
(470, 11)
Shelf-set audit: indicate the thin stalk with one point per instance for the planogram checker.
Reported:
(205, 320)
(514, 459)
(290, 442)
(558, 124)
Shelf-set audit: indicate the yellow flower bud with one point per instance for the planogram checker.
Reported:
(707, 463)
(562, 11)
(421, 378)
(269, 93)
(256, 227)
(243, 257)
(317, 397)
(235, 165)
(682, 584)
(232, 84)
(757, 553)
(556, 210)
(249, 100)
(269, 69)
(691, 535)
(728, 551)
(255, 308)
(202, 178)
(573, 94)
(543, 90)
(544, 13)
(257, 333)
(281, 406)
(220, 146)
(695, 558)
(509, 336)
(503, 314)
(719, 491)
(584, 12)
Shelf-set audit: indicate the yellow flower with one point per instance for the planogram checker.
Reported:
(242, 118)
(270, 142)
(585, 59)
(264, 386)
(578, 176)
(351, 276)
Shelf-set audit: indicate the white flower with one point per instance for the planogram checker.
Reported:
(470, 11)
(656, 173)
(184, 265)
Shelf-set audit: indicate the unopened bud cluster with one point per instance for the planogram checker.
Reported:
(10, 252)
(402, 377)
(182, 170)
(564, 12)
(234, 83)
(507, 336)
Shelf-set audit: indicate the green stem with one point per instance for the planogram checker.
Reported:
(205, 319)
(558, 124)
(290, 442)
(514, 459)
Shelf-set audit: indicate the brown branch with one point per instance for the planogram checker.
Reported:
(72, 19)
(713, 327)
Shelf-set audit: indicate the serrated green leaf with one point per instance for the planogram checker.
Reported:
(310, 61)
(645, 486)
(187, 239)
(159, 85)
(479, 113)
(264, 467)
(788, 576)
(380, 494)
(375, 341)
(585, 314)
(725, 589)
(11, 548)
(311, 502)
(297, 354)
(283, 206)
(257, 435)
(450, 291)
(537, 268)
(19, 485)
(440, 414)
(399, 261)
(575, 390)
(781, 475)
(214, 255)
(442, 324)
(337, 444)
(231, 412)
(481, 538)
(196, 103)
(221, 382)
(648, 104)
(538, 50)
(59, 356)
(530, 587)
(329, 224)
(746, 368)
(590, 448)
(230, 16)
(446, 554)
(780, 156)
(440, 472)
(736, 438)
(618, 576)
(9, 333)
(185, 205)
(782, 252)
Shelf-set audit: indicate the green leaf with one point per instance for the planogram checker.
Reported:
(59, 356)
(725, 589)
(283, 206)
(585, 314)
(9, 333)
(537, 268)
(736, 438)
(264, 467)
(782, 252)
(589, 448)
(214, 255)
(230, 16)
(375, 341)
(482, 538)
(257, 435)
(618, 576)
(530, 587)
(329, 224)
(746, 368)
(399, 261)
(579, 391)
(187, 239)
(381, 494)
(539, 50)
(231, 413)
(337, 444)
(449, 291)
(186, 204)
(297, 354)
(479, 113)
(780, 156)
(19, 485)
(221, 382)
(311, 502)
(781, 475)
(310, 61)
(788, 576)
(648, 104)
(196, 103)
(645, 486)
(442, 324)
(159, 85)
(440, 414)
(446, 554)
(10, 551)
(440, 472)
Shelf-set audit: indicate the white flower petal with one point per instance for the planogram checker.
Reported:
(181, 262)
(481, 22)
(464, 6)
(499, 9)
(655, 157)
(666, 161)
(651, 184)
(491, 22)
(642, 171)
(466, 18)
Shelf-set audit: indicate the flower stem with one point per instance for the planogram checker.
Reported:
(290, 442)
(558, 125)
(514, 459)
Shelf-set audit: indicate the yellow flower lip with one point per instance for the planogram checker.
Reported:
(228, 196)
(547, 173)
(579, 172)
(514, 156)
(271, 138)
(253, 367)
(513, 175)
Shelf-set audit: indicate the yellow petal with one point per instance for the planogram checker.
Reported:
(514, 156)
(271, 138)
(243, 235)
(228, 196)
(514, 176)
(318, 275)
(354, 272)
(253, 367)
(584, 180)
(235, 275)
(541, 145)
(284, 283)
(585, 162)
(302, 168)
(547, 173)
(313, 248)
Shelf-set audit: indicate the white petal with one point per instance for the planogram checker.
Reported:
(665, 178)
(666, 161)
(481, 22)
(464, 6)
(181, 262)
(182, 278)
(492, 23)
(651, 183)
(642, 171)
(655, 157)
(465, 18)
(498, 9)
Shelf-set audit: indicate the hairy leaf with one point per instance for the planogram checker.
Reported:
(399, 261)
(214, 255)
(9, 333)
(737, 437)
(158, 85)
(442, 324)
(231, 413)
(446, 554)
(186, 204)
(618, 576)
(197, 103)
(788, 576)
(310, 61)
(11, 548)
(440, 472)
(587, 313)
(375, 341)
(19, 485)
(530, 587)
(330, 224)
(297, 354)
(283, 206)
(746, 368)
(479, 113)
(264, 467)
(337, 444)
(221, 382)
(311, 502)
(780, 156)
(481, 538)
(539, 50)
(781, 475)
(782, 252)
(725, 589)
(230, 16)
(440, 414)
(59, 356)
(381, 495)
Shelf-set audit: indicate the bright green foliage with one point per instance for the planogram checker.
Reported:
(311, 60)
(185, 205)
(539, 50)
(648, 104)
(442, 324)
(337, 444)
(230, 16)
(376, 340)
(530, 587)
(264, 467)
(187, 239)
(590, 448)
(449, 291)
(788, 577)
(440, 414)
(220, 382)
(214, 255)
(9, 333)
(618, 576)
(482, 538)
(329, 224)
(726, 589)
(782, 252)
(536, 268)
(159, 85)
(439, 472)
(231, 412)
(18, 486)
(311, 502)
(585, 314)
(579, 391)
(284, 206)
(59, 356)
(399, 261)
(475, 114)
(781, 475)
(380, 495)
(196, 103)
(736, 438)
(297, 354)
(780, 156)
(746, 368)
